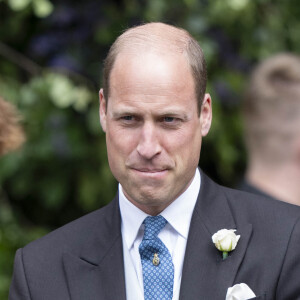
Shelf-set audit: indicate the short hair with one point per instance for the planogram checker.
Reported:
(159, 37)
(11, 132)
(272, 108)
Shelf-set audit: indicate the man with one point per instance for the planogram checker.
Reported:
(154, 240)
(272, 128)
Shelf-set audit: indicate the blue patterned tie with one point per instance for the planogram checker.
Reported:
(158, 269)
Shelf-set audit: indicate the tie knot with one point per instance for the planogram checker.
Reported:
(153, 225)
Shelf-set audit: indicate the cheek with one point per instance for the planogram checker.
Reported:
(186, 143)
(116, 154)
(119, 144)
(187, 153)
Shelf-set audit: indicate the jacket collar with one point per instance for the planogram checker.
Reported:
(97, 271)
(205, 275)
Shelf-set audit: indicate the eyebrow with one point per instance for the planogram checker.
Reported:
(168, 112)
(171, 113)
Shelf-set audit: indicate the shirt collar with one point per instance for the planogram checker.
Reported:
(132, 218)
(178, 213)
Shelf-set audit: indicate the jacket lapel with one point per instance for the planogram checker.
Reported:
(97, 271)
(205, 275)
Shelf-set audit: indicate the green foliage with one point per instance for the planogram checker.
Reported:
(41, 8)
(63, 165)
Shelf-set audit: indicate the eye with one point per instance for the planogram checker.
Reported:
(127, 118)
(171, 122)
(169, 119)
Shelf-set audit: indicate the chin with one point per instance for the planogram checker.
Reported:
(155, 198)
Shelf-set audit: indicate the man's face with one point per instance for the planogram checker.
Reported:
(153, 130)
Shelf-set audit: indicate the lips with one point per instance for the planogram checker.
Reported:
(149, 173)
(146, 170)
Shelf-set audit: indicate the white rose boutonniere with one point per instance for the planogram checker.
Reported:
(225, 240)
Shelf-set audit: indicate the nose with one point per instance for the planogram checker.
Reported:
(148, 146)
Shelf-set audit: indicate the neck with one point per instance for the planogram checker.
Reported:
(279, 181)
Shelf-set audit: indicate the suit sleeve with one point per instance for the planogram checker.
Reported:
(19, 288)
(289, 280)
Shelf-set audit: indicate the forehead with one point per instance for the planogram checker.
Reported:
(151, 70)
(152, 82)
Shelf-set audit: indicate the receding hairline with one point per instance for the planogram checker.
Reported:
(161, 33)
(162, 39)
(159, 38)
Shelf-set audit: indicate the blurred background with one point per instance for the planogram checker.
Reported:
(51, 55)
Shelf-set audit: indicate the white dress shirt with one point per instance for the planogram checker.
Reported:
(173, 235)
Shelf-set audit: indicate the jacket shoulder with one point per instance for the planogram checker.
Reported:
(253, 204)
(74, 235)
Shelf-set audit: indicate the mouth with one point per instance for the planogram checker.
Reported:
(146, 170)
(151, 173)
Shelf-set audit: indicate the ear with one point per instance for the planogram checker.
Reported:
(102, 110)
(206, 115)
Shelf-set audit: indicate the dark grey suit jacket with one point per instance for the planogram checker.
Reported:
(84, 259)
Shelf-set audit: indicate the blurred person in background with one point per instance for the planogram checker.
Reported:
(272, 129)
(11, 132)
(11, 138)
(170, 231)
